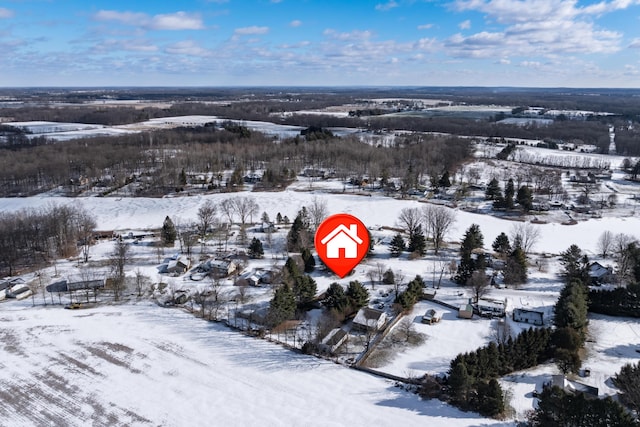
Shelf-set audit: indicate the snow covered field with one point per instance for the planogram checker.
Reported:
(140, 365)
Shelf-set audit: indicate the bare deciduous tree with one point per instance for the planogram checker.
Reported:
(527, 234)
(438, 220)
(318, 211)
(86, 227)
(245, 207)
(206, 219)
(409, 219)
(118, 261)
(142, 281)
(605, 243)
(479, 284)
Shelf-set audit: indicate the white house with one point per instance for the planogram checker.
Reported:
(342, 238)
(369, 319)
(528, 316)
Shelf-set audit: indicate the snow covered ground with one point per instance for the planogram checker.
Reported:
(139, 364)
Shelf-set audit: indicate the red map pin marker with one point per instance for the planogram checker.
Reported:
(342, 241)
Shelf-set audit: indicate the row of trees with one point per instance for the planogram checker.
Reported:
(436, 221)
(472, 377)
(508, 200)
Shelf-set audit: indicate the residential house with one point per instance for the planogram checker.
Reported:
(219, 267)
(574, 387)
(334, 339)
(600, 274)
(179, 265)
(528, 316)
(369, 319)
(491, 308)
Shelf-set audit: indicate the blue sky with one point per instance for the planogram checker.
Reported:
(542, 43)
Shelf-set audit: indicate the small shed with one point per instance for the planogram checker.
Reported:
(333, 340)
(428, 293)
(465, 311)
(179, 265)
(369, 319)
(528, 316)
(431, 316)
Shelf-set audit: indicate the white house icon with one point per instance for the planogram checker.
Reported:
(342, 238)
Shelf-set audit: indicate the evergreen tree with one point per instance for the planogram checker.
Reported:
(493, 190)
(417, 242)
(357, 294)
(304, 289)
(556, 408)
(335, 297)
(168, 233)
(182, 179)
(575, 264)
(628, 381)
(397, 245)
(444, 180)
(282, 306)
(255, 248)
(525, 198)
(509, 192)
(515, 271)
(472, 240)
(279, 218)
(309, 260)
(299, 236)
(388, 278)
(490, 398)
(501, 244)
(460, 383)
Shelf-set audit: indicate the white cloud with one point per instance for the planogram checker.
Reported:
(5, 13)
(295, 23)
(187, 47)
(635, 43)
(177, 21)
(504, 61)
(425, 26)
(354, 35)
(170, 21)
(464, 25)
(536, 27)
(386, 6)
(253, 30)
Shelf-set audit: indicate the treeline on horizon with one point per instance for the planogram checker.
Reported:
(161, 160)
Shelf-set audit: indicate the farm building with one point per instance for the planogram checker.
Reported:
(369, 319)
(431, 316)
(333, 340)
(465, 311)
(528, 316)
(178, 265)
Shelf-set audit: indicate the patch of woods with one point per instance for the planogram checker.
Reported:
(167, 161)
(34, 237)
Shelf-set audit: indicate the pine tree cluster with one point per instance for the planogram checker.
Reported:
(472, 376)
